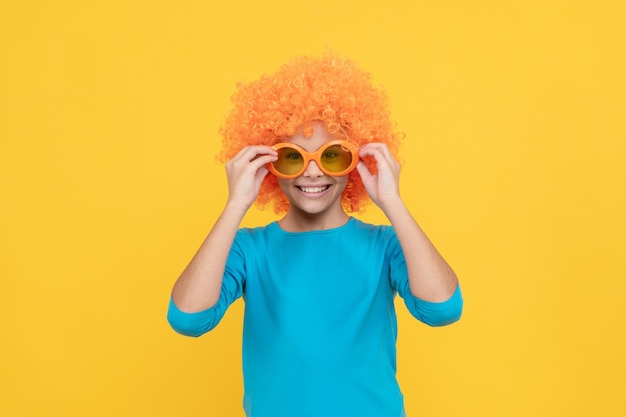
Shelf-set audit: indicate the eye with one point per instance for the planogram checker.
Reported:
(293, 155)
(330, 154)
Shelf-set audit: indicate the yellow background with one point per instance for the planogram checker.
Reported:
(514, 164)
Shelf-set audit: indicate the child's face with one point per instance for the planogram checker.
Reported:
(314, 192)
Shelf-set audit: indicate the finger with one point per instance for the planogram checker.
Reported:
(375, 145)
(250, 153)
(252, 158)
(262, 160)
(371, 149)
(261, 173)
(244, 167)
(382, 155)
(375, 148)
(364, 172)
(379, 155)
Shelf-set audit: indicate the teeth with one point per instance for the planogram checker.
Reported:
(314, 189)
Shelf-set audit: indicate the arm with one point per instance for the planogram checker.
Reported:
(430, 277)
(198, 287)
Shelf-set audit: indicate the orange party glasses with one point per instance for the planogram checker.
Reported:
(336, 158)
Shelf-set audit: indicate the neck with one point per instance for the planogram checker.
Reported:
(298, 221)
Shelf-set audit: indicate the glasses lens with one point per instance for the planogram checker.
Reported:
(336, 158)
(289, 161)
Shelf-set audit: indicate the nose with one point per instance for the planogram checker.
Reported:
(312, 170)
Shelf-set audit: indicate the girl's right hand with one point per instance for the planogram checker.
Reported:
(245, 173)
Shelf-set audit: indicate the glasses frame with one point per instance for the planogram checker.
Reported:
(316, 156)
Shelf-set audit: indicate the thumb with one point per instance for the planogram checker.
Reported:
(260, 175)
(364, 172)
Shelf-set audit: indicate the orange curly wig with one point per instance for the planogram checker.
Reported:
(328, 89)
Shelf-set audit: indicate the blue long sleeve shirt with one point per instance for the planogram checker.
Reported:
(320, 326)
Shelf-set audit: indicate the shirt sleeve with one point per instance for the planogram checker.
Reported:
(436, 314)
(431, 313)
(198, 323)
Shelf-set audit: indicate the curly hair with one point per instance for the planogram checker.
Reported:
(326, 89)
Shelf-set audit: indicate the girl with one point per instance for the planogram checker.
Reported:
(315, 140)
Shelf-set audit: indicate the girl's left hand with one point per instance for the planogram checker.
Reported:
(383, 188)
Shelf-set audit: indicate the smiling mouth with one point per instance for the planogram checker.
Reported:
(313, 190)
